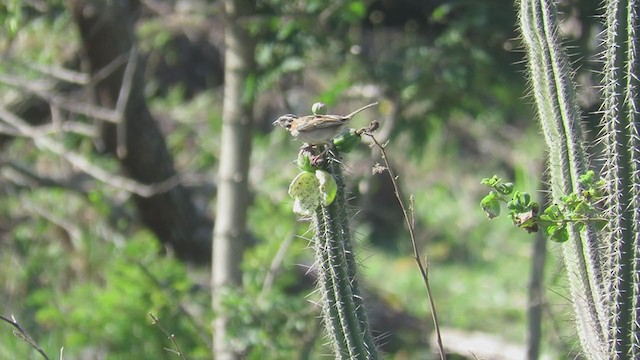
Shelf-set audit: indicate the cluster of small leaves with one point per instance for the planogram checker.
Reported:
(522, 210)
(578, 209)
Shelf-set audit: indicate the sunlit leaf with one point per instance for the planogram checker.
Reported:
(490, 205)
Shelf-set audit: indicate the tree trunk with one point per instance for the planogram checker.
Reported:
(535, 301)
(229, 238)
(106, 29)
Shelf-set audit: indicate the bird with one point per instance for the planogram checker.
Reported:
(316, 129)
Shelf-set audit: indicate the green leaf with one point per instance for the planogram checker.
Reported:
(587, 178)
(490, 205)
(520, 202)
(358, 9)
(492, 181)
(557, 232)
(553, 212)
(560, 235)
(440, 13)
(505, 189)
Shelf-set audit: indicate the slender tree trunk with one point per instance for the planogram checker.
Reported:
(106, 29)
(229, 237)
(536, 297)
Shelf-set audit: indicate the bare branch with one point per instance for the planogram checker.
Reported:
(123, 100)
(276, 262)
(108, 69)
(24, 335)
(171, 294)
(60, 73)
(170, 336)
(62, 102)
(21, 175)
(73, 232)
(85, 165)
(408, 217)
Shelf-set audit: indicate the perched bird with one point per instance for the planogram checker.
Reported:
(316, 129)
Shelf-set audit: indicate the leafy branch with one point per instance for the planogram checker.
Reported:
(576, 208)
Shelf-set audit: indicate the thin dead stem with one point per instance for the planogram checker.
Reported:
(276, 263)
(170, 294)
(24, 335)
(176, 348)
(408, 214)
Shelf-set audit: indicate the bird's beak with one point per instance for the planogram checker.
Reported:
(277, 122)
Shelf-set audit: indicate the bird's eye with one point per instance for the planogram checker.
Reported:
(287, 120)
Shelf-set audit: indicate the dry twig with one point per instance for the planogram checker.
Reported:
(409, 219)
(23, 334)
(176, 348)
(80, 162)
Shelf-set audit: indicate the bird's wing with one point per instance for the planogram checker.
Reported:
(320, 122)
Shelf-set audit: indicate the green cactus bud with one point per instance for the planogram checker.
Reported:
(304, 162)
(347, 140)
(319, 108)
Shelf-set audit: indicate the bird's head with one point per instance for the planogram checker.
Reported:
(285, 121)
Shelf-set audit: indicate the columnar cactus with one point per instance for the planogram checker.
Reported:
(319, 193)
(343, 309)
(621, 140)
(603, 266)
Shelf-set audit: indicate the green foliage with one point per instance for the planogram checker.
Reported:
(460, 65)
(292, 30)
(262, 311)
(10, 17)
(262, 326)
(578, 209)
(112, 312)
